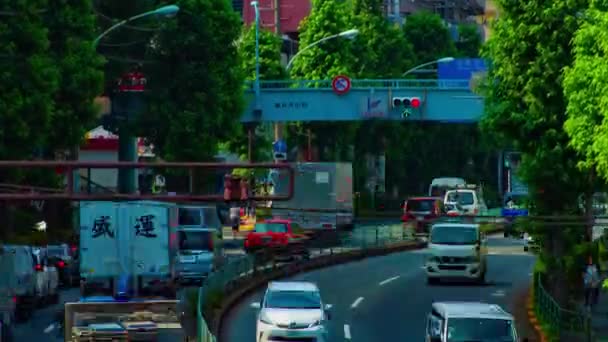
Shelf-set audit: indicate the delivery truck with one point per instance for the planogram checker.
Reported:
(126, 239)
(323, 196)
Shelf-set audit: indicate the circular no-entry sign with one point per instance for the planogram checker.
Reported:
(341, 84)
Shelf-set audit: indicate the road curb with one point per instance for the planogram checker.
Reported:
(247, 285)
(532, 317)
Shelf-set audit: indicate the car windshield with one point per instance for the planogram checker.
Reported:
(453, 235)
(56, 251)
(270, 228)
(480, 329)
(193, 240)
(293, 300)
(420, 205)
(189, 217)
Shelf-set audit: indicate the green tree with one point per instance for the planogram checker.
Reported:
(585, 86)
(71, 31)
(525, 107)
(380, 48)
(196, 86)
(270, 54)
(28, 81)
(333, 57)
(429, 37)
(469, 41)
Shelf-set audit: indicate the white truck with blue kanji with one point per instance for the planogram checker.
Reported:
(130, 240)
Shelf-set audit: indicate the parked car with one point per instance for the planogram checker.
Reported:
(65, 259)
(46, 278)
(18, 281)
(422, 212)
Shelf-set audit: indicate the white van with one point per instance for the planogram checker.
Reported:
(439, 186)
(457, 251)
(18, 280)
(470, 321)
(469, 197)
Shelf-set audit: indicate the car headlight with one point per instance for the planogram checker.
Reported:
(265, 319)
(433, 259)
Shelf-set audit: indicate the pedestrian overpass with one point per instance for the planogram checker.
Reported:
(319, 100)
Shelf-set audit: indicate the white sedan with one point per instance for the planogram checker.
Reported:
(291, 310)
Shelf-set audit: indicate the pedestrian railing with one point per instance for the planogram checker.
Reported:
(240, 269)
(559, 323)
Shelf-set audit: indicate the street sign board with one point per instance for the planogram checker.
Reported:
(461, 68)
(279, 149)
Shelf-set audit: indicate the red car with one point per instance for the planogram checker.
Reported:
(422, 212)
(271, 233)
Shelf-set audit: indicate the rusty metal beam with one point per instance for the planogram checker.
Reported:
(68, 167)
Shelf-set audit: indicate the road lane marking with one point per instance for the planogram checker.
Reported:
(386, 281)
(347, 331)
(357, 302)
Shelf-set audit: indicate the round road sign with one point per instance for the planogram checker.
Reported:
(341, 84)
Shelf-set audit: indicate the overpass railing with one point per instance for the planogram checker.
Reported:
(428, 84)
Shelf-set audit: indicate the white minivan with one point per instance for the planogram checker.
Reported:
(470, 321)
(469, 197)
(457, 251)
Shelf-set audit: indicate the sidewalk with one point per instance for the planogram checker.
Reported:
(599, 317)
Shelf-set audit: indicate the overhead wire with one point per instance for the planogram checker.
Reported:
(126, 26)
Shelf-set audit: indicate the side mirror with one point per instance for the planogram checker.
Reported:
(328, 307)
(255, 305)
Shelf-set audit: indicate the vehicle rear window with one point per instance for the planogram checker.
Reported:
(461, 197)
(270, 228)
(195, 240)
(56, 251)
(420, 205)
(293, 300)
(211, 217)
(480, 329)
(189, 217)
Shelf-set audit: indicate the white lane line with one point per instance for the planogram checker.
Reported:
(386, 281)
(347, 331)
(357, 302)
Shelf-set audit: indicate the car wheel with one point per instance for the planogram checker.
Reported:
(526, 248)
(482, 278)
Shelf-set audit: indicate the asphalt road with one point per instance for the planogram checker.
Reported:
(387, 298)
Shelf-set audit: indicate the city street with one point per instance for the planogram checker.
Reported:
(387, 298)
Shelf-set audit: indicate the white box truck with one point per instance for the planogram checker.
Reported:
(131, 239)
(323, 196)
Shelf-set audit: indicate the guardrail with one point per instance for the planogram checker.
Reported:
(560, 323)
(364, 84)
(241, 269)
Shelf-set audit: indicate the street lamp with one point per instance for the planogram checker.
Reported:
(349, 34)
(165, 11)
(127, 143)
(438, 61)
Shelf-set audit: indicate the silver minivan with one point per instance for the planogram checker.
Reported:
(470, 321)
(196, 252)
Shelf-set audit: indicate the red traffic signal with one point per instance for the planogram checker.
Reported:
(415, 102)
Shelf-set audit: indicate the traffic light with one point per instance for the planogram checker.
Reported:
(406, 104)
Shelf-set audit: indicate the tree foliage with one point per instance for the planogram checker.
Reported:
(270, 54)
(525, 107)
(196, 92)
(429, 36)
(585, 87)
(29, 79)
(380, 49)
(71, 31)
(469, 41)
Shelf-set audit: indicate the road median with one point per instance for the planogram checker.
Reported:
(242, 286)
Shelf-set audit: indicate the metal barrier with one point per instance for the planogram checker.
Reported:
(561, 324)
(225, 279)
